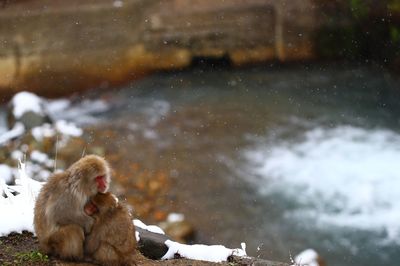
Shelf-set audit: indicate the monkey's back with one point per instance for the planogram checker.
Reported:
(50, 205)
(43, 204)
(115, 229)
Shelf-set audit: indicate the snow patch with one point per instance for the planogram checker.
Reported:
(43, 131)
(213, 253)
(118, 4)
(5, 173)
(18, 208)
(23, 102)
(308, 257)
(15, 132)
(175, 217)
(151, 228)
(56, 106)
(68, 128)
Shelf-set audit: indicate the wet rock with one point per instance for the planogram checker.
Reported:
(152, 245)
(178, 229)
(28, 109)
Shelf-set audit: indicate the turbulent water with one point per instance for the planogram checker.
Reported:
(281, 158)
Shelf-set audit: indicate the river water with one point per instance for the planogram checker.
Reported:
(282, 158)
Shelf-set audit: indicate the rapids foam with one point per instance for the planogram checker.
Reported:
(345, 176)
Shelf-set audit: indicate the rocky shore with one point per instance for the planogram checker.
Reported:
(43, 137)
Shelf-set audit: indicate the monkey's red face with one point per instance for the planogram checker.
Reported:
(102, 184)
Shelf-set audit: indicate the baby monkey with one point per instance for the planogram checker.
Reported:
(112, 239)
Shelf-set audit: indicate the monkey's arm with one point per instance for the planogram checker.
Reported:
(92, 242)
(71, 214)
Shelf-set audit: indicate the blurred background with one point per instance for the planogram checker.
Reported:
(271, 122)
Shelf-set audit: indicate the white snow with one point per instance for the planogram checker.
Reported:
(23, 102)
(308, 257)
(213, 253)
(344, 176)
(42, 158)
(175, 217)
(55, 106)
(39, 157)
(81, 112)
(15, 132)
(43, 131)
(5, 173)
(17, 155)
(137, 236)
(151, 228)
(17, 211)
(68, 128)
(118, 3)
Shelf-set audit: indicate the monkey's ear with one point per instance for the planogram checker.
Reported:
(90, 209)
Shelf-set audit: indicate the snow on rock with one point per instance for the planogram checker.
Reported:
(43, 131)
(15, 132)
(55, 106)
(39, 157)
(308, 257)
(42, 158)
(24, 102)
(28, 109)
(118, 4)
(18, 209)
(17, 155)
(69, 129)
(5, 173)
(213, 253)
(151, 228)
(175, 217)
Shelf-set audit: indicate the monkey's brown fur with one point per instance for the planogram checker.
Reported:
(112, 239)
(59, 219)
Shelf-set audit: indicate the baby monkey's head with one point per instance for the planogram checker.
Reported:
(101, 203)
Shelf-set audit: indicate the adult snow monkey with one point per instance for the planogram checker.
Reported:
(60, 221)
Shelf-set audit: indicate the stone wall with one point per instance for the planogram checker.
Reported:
(54, 47)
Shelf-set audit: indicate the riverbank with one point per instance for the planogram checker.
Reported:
(23, 249)
(55, 49)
